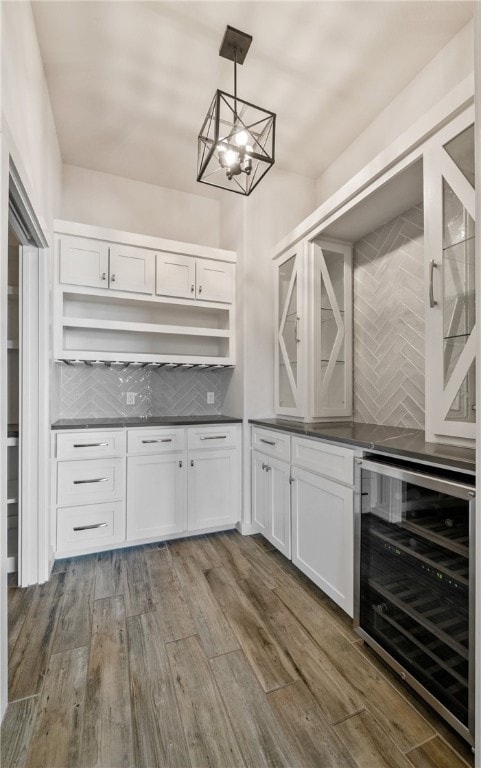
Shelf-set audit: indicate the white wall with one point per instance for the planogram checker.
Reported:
(92, 197)
(451, 65)
(29, 137)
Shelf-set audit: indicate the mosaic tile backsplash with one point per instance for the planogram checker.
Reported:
(94, 392)
(389, 323)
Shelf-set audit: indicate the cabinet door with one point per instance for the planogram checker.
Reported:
(322, 534)
(175, 275)
(260, 494)
(83, 261)
(289, 395)
(156, 496)
(131, 269)
(271, 500)
(331, 337)
(450, 284)
(214, 280)
(213, 488)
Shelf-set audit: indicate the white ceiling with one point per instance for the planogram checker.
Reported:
(130, 82)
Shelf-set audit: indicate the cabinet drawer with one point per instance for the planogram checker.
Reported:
(87, 444)
(155, 441)
(90, 481)
(274, 443)
(331, 461)
(80, 528)
(213, 436)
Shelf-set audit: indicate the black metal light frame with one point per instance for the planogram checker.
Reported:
(227, 117)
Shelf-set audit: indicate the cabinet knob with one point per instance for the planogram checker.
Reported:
(112, 278)
(200, 289)
(192, 462)
(180, 464)
(104, 276)
(192, 289)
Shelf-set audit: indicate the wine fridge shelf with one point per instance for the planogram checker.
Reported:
(449, 532)
(444, 562)
(434, 612)
(440, 676)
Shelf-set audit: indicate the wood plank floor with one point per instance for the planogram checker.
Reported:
(208, 652)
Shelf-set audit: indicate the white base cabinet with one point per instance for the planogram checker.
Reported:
(303, 503)
(323, 534)
(178, 480)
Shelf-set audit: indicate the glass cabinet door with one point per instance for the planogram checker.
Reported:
(288, 339)
(450, 329)
(332, 342)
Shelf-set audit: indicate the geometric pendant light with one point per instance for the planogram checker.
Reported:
(236, 141)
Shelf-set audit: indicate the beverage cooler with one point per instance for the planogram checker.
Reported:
(414, 587)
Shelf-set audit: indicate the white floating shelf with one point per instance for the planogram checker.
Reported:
(120, 325)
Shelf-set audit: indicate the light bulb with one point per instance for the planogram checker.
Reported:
(241, 138)
(231, 157)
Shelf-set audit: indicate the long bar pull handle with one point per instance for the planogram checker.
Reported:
(432, 267)
(214, 437)
(90, 527)
(164, 440)
(88, 445)
(268, 442)
(94, 480)
(297, 330)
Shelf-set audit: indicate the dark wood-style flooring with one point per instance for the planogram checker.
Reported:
(209, 652)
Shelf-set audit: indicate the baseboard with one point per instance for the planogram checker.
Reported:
(247, 529)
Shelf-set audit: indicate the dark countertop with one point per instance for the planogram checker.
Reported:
(399, 441)
(142, 421)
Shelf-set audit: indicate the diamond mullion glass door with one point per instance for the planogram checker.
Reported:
(287, 347)
(451, 384)
(332, 350)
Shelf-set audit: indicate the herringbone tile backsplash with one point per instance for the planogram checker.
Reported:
(389, 323)
(91, 392)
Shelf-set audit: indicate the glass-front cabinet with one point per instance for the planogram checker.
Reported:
(314, 331)
(450, 263)
(289, 395)
(330, 351)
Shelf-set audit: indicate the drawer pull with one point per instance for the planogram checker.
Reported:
(94, 480)
(164, 440)
(90, 527)
(214, 437)
(268, 442)
(88, 445)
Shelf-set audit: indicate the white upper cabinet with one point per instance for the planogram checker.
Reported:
(131, 269)
(289, 344)
(214, 280)
(83, 261)
(190, 278)
(313, 352)
(450, 283)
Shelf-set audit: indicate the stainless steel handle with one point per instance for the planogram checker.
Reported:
(192, 288)
(214, 437)
(112, 278)
(88, 445)
(90, 527)
(432, 267)
(432, 482)
(268, 442)
(163, 440)
(268, 468)
(297, 330)
(94, 480)
(104, 277)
